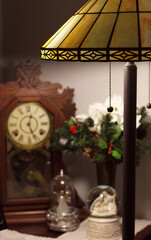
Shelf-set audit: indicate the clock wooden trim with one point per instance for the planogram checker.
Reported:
(29, 88)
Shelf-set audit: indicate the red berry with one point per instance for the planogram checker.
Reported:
(73, 129)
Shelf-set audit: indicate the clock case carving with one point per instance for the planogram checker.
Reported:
(29, 88)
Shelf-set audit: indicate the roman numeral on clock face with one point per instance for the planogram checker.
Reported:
(20, 111)
(35, 137)
(44, 123)
(27, 108)
(14, 117)
(12, 124)
(29, 140)
(21, 138)
(42, 115)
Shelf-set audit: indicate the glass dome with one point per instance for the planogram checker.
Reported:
(102, 202)
(62, 214)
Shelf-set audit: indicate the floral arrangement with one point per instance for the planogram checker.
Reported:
(99, 134)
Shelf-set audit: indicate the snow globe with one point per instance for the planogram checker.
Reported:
(62, 216)
(103, 221)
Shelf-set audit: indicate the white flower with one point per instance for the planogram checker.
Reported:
(118, 109)
(96, 111)
(138, 118)
(63, 141)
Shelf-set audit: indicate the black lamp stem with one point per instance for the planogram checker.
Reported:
(130, 90)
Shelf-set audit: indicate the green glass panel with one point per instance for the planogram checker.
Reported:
(111, 6)
(75, 38)
(144, 5)
(97, 7)
(62, 33)
(99, 35)
(126, 31)
(87, 7)
(145, 29)
(128, 6)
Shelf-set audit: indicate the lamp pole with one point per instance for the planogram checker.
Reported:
(129, 161)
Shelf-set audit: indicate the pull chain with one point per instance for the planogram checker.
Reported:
(149, 103)
(110, 108)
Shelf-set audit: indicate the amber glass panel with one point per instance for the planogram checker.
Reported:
(68, 55)
(128, 5)
(123, 55)
(47, 54)
(87, 7)
(146, 55)
(74, 40)
(126, 31)
(144, 5)
(111, 6)
(145, 29)
(95, 55)
(97, 7)
(99, 35)
(60, 29)
(63, 32)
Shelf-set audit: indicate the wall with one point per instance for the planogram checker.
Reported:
(26, 25)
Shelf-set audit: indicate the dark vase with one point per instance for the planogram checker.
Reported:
(106, 172)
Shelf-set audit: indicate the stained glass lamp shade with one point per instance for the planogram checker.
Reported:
(111, 30)
(104, 30)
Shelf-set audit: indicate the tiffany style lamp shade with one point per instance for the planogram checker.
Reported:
(111, 30)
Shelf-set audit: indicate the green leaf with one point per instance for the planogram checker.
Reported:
(71, 122)
(117, 133)
(89, 122)
(102, 144)
(98, 157)
(116, 154)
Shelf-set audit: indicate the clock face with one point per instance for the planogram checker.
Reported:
(28, 124)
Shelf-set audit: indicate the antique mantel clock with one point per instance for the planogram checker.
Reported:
(30, 110)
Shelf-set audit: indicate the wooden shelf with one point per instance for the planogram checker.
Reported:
(38, 228)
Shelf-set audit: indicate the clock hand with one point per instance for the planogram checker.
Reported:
(31, 130)
(29, 125)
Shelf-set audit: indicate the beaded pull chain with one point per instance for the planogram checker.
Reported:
(149, 103)
(110, 108)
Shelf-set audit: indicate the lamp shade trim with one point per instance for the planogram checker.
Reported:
(96, 55)
(104, 30)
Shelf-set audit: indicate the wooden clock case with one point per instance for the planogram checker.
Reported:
(28, 87)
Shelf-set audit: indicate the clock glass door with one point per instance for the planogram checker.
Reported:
(28, 130)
